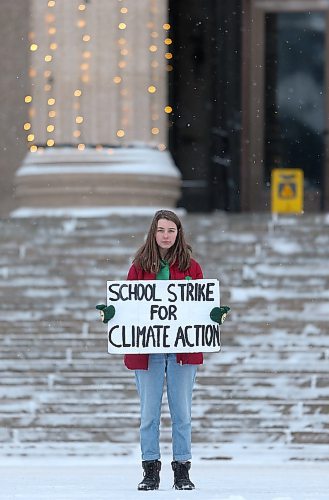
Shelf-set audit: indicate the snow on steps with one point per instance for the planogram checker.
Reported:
(269, 385)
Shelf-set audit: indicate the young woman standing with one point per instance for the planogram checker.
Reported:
(165, 255)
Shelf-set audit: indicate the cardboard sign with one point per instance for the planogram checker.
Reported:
(163, 316)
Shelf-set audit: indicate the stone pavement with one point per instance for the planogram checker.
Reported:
(60, 390)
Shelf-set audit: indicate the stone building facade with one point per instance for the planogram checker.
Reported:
(14, 83)
(211, 98)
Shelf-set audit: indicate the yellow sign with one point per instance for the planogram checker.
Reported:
(287, 190)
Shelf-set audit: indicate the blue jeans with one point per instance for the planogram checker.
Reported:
(150, 383)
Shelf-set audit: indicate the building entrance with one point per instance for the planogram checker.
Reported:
(286, 102)
(295, 94)
(205, 93)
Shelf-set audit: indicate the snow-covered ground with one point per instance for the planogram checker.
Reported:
(116, 479)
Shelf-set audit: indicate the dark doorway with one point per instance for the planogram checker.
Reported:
(295, 94)
(204, 88)
(286, 100)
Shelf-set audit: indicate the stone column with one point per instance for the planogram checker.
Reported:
(99, 93)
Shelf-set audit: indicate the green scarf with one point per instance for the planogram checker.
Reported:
(164, 273)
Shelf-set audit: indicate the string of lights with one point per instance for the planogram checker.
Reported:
(30, 138)
(119, 79)
(45, 129)
(48, 86)
(84, 79)
(49, 73)
(154, 65)
(168, 56)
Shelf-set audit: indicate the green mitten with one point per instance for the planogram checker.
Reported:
(106, 312)
(219, 314)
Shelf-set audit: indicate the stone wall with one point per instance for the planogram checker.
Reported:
(14, 26)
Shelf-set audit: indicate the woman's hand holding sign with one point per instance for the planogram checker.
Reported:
(106, 312)
(218, 314)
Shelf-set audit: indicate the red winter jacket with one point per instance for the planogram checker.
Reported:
(140, 361)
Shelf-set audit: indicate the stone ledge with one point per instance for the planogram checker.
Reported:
(109, 177)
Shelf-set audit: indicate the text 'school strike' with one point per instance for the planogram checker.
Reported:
(189, 291)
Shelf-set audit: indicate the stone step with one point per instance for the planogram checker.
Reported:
(70, 423)
(124, 392)
(31, 435)
(238, 408)
(269, 384)
(241, 365)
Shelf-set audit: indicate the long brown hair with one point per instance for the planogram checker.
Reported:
(148, 256)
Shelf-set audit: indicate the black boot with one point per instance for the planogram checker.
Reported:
(151, 479)
(181, 477)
